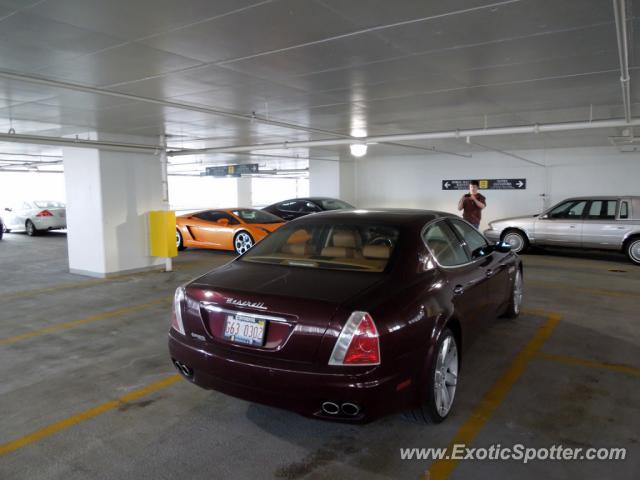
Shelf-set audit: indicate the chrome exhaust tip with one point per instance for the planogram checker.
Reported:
(183, 369)
(350, 409)
(330, 408)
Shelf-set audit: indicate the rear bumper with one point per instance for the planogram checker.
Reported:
(375, 392)
(49, 223)
(492, 235)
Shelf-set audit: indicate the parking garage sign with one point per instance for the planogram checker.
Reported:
(232, 170)
(488, 184)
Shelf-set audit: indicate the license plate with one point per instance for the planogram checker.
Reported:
(244, 329)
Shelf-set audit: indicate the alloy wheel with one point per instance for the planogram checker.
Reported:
(634, 251)
(515, 240)
(446, 376)
(243, 243)
(518, 292)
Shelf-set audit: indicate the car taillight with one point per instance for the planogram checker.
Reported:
(358, 343)
(44, 213)
(176, 319)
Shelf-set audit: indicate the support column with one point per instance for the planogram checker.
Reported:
(245, 194)
(108, 197)
(332, 179)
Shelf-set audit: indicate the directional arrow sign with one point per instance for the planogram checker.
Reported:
(487, 184)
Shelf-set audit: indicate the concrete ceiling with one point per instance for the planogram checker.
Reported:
(334, 65)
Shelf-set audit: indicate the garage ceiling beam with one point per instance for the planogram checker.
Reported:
(478, 132)
(620, 13)
(165, 103)
(77, 142)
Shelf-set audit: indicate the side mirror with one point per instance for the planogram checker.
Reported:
(223, 221)
(502, 247)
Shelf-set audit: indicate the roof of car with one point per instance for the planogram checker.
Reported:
(602, 197)
(397, 216)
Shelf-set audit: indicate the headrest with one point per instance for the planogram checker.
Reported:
(299, 236)
(376, 251)
(337, 252)
(344, 238)
(298, 249)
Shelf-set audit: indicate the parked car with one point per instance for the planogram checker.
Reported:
(608, 223)
(236, 229)
(347, 315)
(35, 216)
(299, 207)
(1, 228)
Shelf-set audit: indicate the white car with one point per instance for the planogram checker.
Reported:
(34, 216)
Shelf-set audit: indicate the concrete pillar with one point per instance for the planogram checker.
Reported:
(332, 179)
(245, 194)
(108, 197)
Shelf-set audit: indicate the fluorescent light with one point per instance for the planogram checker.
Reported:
(358, 149)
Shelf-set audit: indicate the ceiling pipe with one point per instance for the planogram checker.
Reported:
(165, 103)
(479, 132)
(620, 14)
(77, 142)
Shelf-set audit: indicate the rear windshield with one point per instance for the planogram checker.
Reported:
(333, 204)
(48, 204)
(366, 248)
(248, 215)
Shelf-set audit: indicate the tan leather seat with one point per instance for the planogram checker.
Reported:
(338, 252)
(297, 249)
(376, 251)
(344, 238)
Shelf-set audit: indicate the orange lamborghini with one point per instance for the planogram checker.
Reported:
(235, 229)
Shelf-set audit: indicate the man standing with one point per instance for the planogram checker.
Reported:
(472, 204)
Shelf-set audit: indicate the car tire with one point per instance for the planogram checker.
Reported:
(431, 411)
(515, 300)
(517, 239)
(242, 242)
(632, 249)
(179, 241)
(30, 228)
(1, 232)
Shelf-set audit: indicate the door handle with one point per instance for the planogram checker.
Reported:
(458, 290)
(488, 272)
(572, 226)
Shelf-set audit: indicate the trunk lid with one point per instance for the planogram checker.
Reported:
(296, 304)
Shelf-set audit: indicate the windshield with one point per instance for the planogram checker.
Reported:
(249, 215)
(366, 248)
(333, 204)
(48, 204)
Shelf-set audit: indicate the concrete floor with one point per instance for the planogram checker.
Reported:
(70, 346)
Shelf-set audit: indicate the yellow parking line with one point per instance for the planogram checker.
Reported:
(83, 321)
(589, 291)
(441, 469)
(583, 362)
(86, 415)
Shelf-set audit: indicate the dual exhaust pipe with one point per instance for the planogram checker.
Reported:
(347, 409)
(185, 370)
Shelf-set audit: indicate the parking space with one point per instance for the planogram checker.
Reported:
(99, 398)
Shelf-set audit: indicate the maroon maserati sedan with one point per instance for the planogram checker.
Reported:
(347, 315)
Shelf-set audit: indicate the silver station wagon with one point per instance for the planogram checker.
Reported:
(608, 223)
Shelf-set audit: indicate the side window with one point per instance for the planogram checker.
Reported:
(210, 216)
(445, 246)
(568, 210)
(602, 210)
(474, 240)
(293, 206)
(624, 210)
(310, 207)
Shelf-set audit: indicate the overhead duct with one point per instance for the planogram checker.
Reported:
(620, 14)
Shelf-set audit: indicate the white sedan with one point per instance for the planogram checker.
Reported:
(34, 216)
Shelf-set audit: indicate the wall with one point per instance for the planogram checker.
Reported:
(15, 186)
(416, 181)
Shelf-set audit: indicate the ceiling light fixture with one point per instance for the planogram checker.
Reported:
(358, 149)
